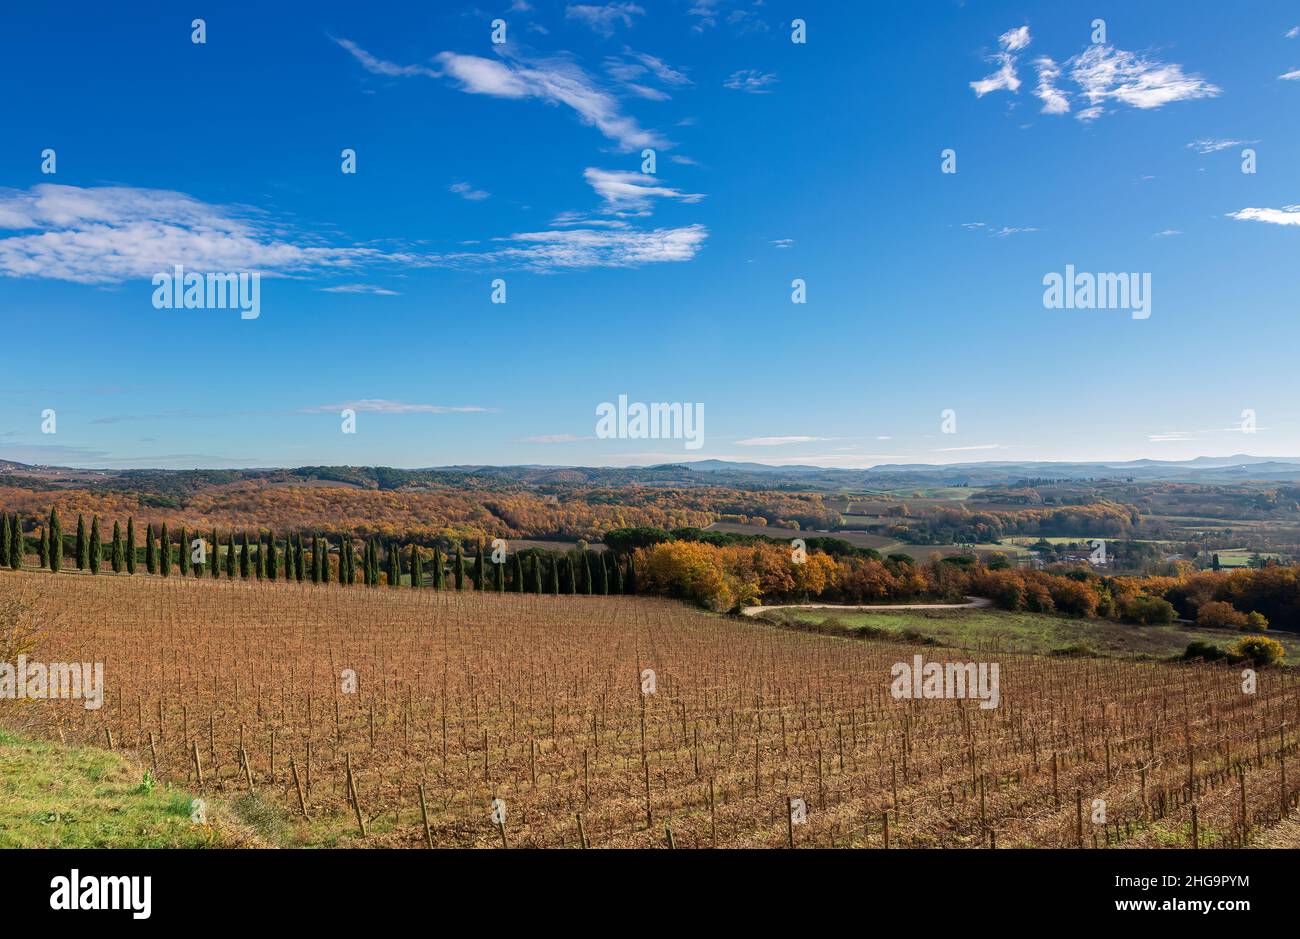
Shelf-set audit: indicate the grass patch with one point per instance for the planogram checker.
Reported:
(56, 796)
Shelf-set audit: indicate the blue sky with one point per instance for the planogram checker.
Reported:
(522, 161)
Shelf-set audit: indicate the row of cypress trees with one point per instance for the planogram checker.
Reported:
(580, 572)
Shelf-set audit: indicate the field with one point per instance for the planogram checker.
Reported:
(243, 693)
(1035, 633)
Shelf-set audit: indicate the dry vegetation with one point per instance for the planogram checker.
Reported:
(537, 701)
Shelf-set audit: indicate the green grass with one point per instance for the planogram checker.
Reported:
(56, 796)
(1031, 632)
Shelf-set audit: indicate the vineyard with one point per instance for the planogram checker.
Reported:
(482, 719)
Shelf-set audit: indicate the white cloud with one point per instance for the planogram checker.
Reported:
(1168, 233)
(783, 243)
(466, 191)
(1054, 100)
(1105, 74)
(385, 406)
(114, 233)
(362, 288)
(581, 248)
(1213, 145)
(555, 80)
(1287, 215)
(1004, 79)
(630, 193)
(775, 441)
(381, 67)
(750, 80)
(1292, 75)
(638, 68)
(1013, 40)
(1293, 32)
(603, 19)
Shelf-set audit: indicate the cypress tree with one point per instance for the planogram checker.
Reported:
(83, 546)
(230, 557)
(44, 550)
(629, 585)
(458, 569)
(315, 559)
(571, 574)
(299, 557)
(499, 577)
(245, 561)
(214, 562)
(394, 566)
(56, 542)
(272, 562)
(479, 583)
(537, 573)
(437, 569)
(417, 568)
(518, 585)
(347, 571)
(17, 544)
(150, 555)
(586, 573)
(555, 575)
(130, 544)
(164, 553)
(96, 548)
(117, 558)
(615, 574)
(259, 558)
(4, 538)
(185, 553)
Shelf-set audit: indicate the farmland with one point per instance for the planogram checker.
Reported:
(387, 717)
(1034, 633)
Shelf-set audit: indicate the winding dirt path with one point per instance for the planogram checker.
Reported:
(973, 603)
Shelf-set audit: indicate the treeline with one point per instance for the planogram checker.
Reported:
(958, 525)
(316, 558)
(715, 570)
(728, 576)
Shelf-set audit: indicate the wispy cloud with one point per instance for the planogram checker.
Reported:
(1290, 76)
(1214, 145)
(1106, 74)
(1054, 100)
(1005, 78)
(466, 191)
(630, 193)
(372, 289)
(775, 441)
(750, 80)
(1103, 74)
(114, 233)
(603, 19)
(580, 248)
(554, 80)
(385, 406)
